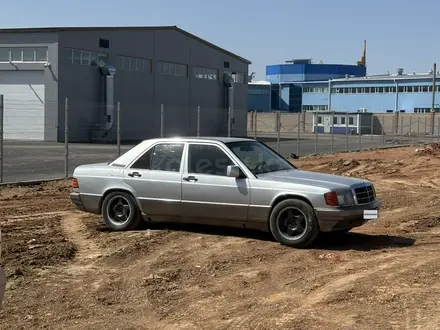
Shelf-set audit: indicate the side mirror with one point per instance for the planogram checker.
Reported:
(233, 171)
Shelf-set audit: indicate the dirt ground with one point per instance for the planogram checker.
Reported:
(66, 271)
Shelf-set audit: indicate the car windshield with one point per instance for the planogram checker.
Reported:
(259, 158)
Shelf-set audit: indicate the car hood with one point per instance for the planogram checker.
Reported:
(311, 179)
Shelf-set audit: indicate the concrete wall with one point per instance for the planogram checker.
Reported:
(142, 93)
(49, 40)
(390, 123)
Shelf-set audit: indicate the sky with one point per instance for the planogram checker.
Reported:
(399, 33)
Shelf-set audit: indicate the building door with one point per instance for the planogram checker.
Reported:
(23, 93)
(327, 124)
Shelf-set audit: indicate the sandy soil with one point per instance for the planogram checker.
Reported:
(66, 271)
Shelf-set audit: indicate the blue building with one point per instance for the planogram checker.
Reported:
(285, 82)
(305, 70)
(379, 94)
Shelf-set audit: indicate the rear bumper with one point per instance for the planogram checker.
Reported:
(2, 284)
(86, 203)
(340, 219)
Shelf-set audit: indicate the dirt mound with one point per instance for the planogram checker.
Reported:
(430, 150)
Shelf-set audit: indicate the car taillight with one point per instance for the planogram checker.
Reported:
(75, 183)
(331, 198)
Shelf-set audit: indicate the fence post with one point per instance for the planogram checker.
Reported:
(383, 130)
(393, 124)
(66, 138)
(1, 137)
(198, 120)
(278, 130)
(424, 138)
(371, 129)
(118, 128)
(360, 131)
(298, 134)
(418, 129)
(229, 121)
(255, 124)
(401, 130)
(410, 130)
(438, 130)
(316, 132)
(346, 132)
(161, 120)
(333, 132)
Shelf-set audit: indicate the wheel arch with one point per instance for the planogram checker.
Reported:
(287, 196)
(111, 190)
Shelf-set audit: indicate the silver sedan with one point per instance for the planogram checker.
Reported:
(235, 182)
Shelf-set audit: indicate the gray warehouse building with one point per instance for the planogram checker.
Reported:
(157, 75)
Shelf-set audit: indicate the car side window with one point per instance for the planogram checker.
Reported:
(162, 157)
(207, 159)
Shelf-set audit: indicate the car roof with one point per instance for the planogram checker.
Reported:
(201, 138)
(131, 154)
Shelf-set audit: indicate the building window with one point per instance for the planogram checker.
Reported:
(104, 43)
(23, 54)
(307, 107)
(84, 57)
(319, 120)
(342, 120)
(205, 73)
(173, 69)
(335, 120)
(127, 63)
(237, 77)
(351, 121)
(226, 65)
(426, 110)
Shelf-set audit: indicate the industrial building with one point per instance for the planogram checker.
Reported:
(300, 86)
(285, 82)
(157, 75)
(397, 92)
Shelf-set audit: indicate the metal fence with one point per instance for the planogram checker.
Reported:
(303, 134)
(92, 132)
(84, 142)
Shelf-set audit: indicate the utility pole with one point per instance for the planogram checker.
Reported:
(433, 99)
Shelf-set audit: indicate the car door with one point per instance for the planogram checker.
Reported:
(207, 192)
(156, 178)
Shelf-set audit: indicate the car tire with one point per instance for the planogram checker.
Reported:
(297, 209)
(113, 208)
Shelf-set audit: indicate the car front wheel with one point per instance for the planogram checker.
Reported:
(293, 223)
(120, 211)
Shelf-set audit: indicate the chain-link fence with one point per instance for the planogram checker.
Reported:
(84, 133)
(308, 133)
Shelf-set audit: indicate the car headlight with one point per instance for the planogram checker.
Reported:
(346, 198)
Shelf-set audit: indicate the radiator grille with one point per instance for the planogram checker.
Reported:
(365, 195)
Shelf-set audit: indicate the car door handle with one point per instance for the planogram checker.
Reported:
(190, 178)
(134, 174)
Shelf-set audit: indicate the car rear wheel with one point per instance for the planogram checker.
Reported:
(293, 223)
(120, 211)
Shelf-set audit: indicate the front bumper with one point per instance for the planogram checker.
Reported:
(344, 218)
(2, 284)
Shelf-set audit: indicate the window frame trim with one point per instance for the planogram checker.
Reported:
(151, 147)
(222, 148)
